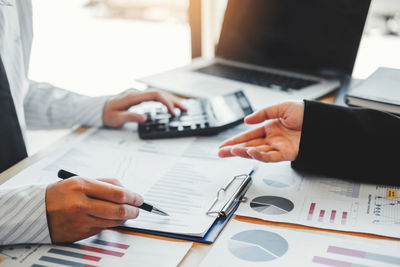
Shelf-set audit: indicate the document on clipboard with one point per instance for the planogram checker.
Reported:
(197, 194)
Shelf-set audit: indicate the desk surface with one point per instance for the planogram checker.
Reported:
(198, 250)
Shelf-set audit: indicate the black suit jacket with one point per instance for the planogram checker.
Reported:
(351, 143)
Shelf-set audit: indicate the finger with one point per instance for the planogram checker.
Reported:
(225, 152)
(244, 137)
(111, 211)
(273, 112)
(178, 104)
(99, 223)
(270, 156)
(168, 103)
(130, 99)
(240, 152)
(109, 192)
(262, 148)
(253, 143)
(110, 181)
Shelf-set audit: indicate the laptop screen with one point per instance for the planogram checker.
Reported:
(310, 36)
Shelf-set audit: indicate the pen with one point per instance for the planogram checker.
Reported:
(63, 174)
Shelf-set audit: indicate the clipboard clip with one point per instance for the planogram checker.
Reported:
(244, 181)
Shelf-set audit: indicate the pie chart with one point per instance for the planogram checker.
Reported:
(272, 205)
(257, 245)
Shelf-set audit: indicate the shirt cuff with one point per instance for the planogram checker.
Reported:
(23, 216)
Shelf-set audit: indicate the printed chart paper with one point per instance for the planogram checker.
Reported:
(109, 248)
(245, 244)
(281, 194)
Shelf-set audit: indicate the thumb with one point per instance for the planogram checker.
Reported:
(273, 112)
(119, 118)
(129, 116)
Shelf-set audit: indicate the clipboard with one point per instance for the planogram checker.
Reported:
(223, 214)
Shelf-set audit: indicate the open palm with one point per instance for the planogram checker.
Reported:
(277, 140)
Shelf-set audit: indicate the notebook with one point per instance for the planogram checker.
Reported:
(380, 91)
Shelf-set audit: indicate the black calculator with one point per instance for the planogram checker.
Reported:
(203, 117)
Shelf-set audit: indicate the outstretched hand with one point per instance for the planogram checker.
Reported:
(277, 140)
(116, 113)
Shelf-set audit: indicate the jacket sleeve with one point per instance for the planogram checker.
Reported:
(23, 215)
(352, 143)
(50, 107)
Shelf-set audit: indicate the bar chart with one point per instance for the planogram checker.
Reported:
(331, 212)
(78, 256)
(108, 248)
(348, 253)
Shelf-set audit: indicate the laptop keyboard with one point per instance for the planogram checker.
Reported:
(261, 78)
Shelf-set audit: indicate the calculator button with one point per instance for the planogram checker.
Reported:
(177, 111)
(174, 124)
(186, 123)
(160, 127)
(162, 121)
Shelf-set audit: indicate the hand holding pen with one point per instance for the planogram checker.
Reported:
(77, 208)
(63, 174)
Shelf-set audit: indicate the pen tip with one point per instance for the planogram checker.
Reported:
(159, 212)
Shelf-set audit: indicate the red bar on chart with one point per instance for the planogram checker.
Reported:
(94, 249)
(74, 254)
(331, 262)
(333, 215)
(321, 215)
(344, 217)
(103, 251)
(311, 211)
(110, 244)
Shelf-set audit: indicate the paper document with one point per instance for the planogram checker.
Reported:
(244, 244)
(204, 147)
(281, 194)
(109, 248)
(186, 190)
(183, 186)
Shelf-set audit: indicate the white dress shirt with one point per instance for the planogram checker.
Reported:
(38, 106)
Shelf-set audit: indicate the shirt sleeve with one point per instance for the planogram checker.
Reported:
(352, 143)
(23, 217)
(49, 107)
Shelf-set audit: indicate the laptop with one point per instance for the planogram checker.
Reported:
(275, 50)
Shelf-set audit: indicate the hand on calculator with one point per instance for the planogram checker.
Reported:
(202, 117)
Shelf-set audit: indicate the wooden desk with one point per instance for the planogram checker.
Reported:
(198, 250)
